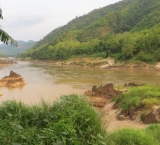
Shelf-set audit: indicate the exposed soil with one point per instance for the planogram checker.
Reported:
(110, 122)
(112, 117)
(109, 116)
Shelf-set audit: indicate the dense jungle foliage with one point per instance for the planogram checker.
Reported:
(129, 29)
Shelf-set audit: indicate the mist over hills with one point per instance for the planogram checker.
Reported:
(13, 51)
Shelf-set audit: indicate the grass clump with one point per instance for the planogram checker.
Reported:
(137, 97)
(149, 102)
(154, 131)
(69, 121)
(148, 136)
(143, 115)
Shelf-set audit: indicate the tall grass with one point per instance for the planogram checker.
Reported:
(148, 136)
(154, 132)
(69, 121)
(137, 97)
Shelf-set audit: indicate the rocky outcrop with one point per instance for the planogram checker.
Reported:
(103, 94)
(14, 80)
(4, 62)
(106, 91)
(152, 117)
(130, 114)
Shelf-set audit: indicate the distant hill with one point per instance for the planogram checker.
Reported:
(129, 29)
(13, 51)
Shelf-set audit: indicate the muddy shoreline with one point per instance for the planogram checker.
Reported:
(108, 63)
(114, 116)
(108, 114)
(6, 63)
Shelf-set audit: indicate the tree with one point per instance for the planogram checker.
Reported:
(4, 37)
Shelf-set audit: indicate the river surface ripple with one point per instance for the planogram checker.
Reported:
(48, 82)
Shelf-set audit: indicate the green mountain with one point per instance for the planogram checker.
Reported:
(12, 51)
(129, 29)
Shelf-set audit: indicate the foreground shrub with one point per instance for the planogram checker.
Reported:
(69, 121)
(154, 131)
(135, 137)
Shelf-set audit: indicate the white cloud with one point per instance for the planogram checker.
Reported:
(33, 19)
(24, 21)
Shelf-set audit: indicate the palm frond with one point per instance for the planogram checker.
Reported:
(5, 38)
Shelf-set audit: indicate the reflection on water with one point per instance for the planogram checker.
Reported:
(49, 81)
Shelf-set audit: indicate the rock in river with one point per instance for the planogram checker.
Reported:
(14, 80)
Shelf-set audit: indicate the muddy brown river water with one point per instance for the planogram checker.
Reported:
(48, 82)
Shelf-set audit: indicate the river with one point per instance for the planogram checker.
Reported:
(48, 82)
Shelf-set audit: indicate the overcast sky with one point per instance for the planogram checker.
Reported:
(34, 19)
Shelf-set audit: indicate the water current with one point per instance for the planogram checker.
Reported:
(48, 82)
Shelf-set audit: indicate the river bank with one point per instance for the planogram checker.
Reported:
(4, 62)
(108, 63)
(51, 81)
(131, 106)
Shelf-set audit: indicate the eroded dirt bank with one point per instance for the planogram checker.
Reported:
(112, 115)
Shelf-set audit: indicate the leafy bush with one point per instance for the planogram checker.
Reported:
(145, 57)
(70, 121)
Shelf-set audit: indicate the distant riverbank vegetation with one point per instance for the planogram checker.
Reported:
(127, 30)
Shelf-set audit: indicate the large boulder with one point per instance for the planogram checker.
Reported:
(153, 116)
(106, 91)
(99, 96)
(14, 80)
(150, 118)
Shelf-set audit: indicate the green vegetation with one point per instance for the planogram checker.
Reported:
(69, 121)
(127, 30)
(148, 136)
(139, 97)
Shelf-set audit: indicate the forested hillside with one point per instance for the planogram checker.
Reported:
(129, 29)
